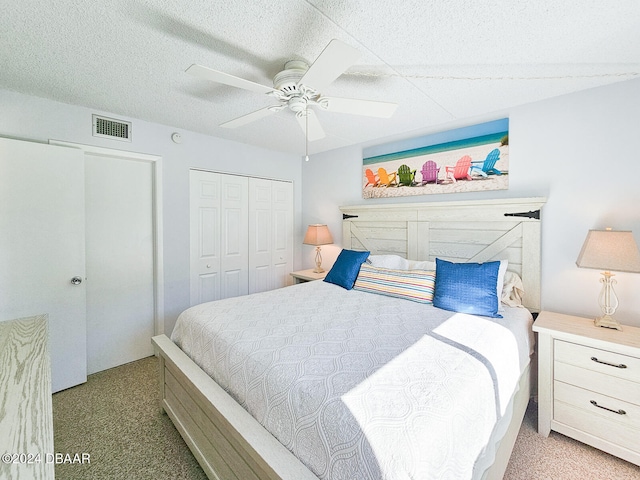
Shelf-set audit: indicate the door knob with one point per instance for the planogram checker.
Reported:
(76, 280)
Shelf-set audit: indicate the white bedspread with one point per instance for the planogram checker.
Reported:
(362, 386)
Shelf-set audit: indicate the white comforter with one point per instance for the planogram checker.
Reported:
(362, 386)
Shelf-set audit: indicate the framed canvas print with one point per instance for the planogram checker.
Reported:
(469, 159)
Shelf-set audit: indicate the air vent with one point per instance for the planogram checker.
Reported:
(110, 128)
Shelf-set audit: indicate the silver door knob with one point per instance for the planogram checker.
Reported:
(76, 280)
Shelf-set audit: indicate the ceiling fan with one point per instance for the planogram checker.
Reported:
(298, 87)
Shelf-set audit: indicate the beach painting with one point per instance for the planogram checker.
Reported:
(469, 159)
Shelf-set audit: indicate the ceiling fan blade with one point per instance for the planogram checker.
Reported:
(250, 117)
(313, 130)
(369, 108)
(332, 62)
(225, 78)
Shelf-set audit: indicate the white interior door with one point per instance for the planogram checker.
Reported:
(120, 260)
(42, 247)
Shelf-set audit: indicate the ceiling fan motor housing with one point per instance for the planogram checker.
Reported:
(287, 80)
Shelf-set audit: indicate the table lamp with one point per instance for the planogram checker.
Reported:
(609, 250)
(318, 235)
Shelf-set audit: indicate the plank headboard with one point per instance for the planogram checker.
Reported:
(466, 231)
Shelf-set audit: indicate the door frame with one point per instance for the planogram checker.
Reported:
(156, 171)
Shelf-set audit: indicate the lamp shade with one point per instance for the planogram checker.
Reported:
(610, 250)
(317, 235)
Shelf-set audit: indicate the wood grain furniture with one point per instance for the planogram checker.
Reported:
(229, 443)
(307, 275)
(589, 383)
(26, 420)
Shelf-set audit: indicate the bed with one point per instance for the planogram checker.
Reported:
(341, 377)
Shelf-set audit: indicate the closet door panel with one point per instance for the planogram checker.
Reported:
(282, 233)
(260, 241)
(205, 194)
(234, 236)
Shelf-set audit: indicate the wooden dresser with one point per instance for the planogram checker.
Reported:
(589, 383)
(26, 420)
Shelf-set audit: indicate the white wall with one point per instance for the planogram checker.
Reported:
(35, 119)
(581, 151)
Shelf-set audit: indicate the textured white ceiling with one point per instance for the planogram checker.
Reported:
(439, 60)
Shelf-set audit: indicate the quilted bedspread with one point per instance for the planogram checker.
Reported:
(362, 386)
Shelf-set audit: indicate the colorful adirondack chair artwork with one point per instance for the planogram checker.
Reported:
(430, 172)
(488, 164)
(461, 169)
(406, 175)
(371, 178)
(386, 179)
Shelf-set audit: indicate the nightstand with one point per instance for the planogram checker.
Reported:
(589, 383)
(302, 276)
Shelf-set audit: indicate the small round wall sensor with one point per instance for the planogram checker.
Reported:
(176, 137)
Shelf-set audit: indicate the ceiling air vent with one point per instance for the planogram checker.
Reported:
(110, 128)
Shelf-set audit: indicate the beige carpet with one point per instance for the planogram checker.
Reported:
(116, 419)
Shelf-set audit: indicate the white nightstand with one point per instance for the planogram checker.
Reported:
(589, 383)
(302, 276)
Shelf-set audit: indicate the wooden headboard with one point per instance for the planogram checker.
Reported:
(466, 231)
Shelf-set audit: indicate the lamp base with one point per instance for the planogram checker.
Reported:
(318, 268)
(607, 321)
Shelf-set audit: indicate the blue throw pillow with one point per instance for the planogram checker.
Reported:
(345, 271)
(467, 288)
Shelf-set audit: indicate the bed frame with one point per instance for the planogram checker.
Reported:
(230, 444)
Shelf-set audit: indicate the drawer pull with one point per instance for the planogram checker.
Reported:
(619, 412)
(620, 365)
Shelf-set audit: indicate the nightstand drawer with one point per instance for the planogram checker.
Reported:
(573, 406)
(594, 359)
(608, 385)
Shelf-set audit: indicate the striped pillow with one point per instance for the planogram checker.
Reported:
(416, 285)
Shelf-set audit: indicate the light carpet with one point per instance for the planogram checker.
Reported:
(115, 418)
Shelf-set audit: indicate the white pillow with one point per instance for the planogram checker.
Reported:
(513, 290)
(421, 265)
(500, 285)
(394, 262)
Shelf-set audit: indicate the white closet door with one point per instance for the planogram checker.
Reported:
(234, 258)
(260, 238)
(270, 234)
(120, 260)
(205, 194)
(42, 247)
(281, 233)
(241, 235)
